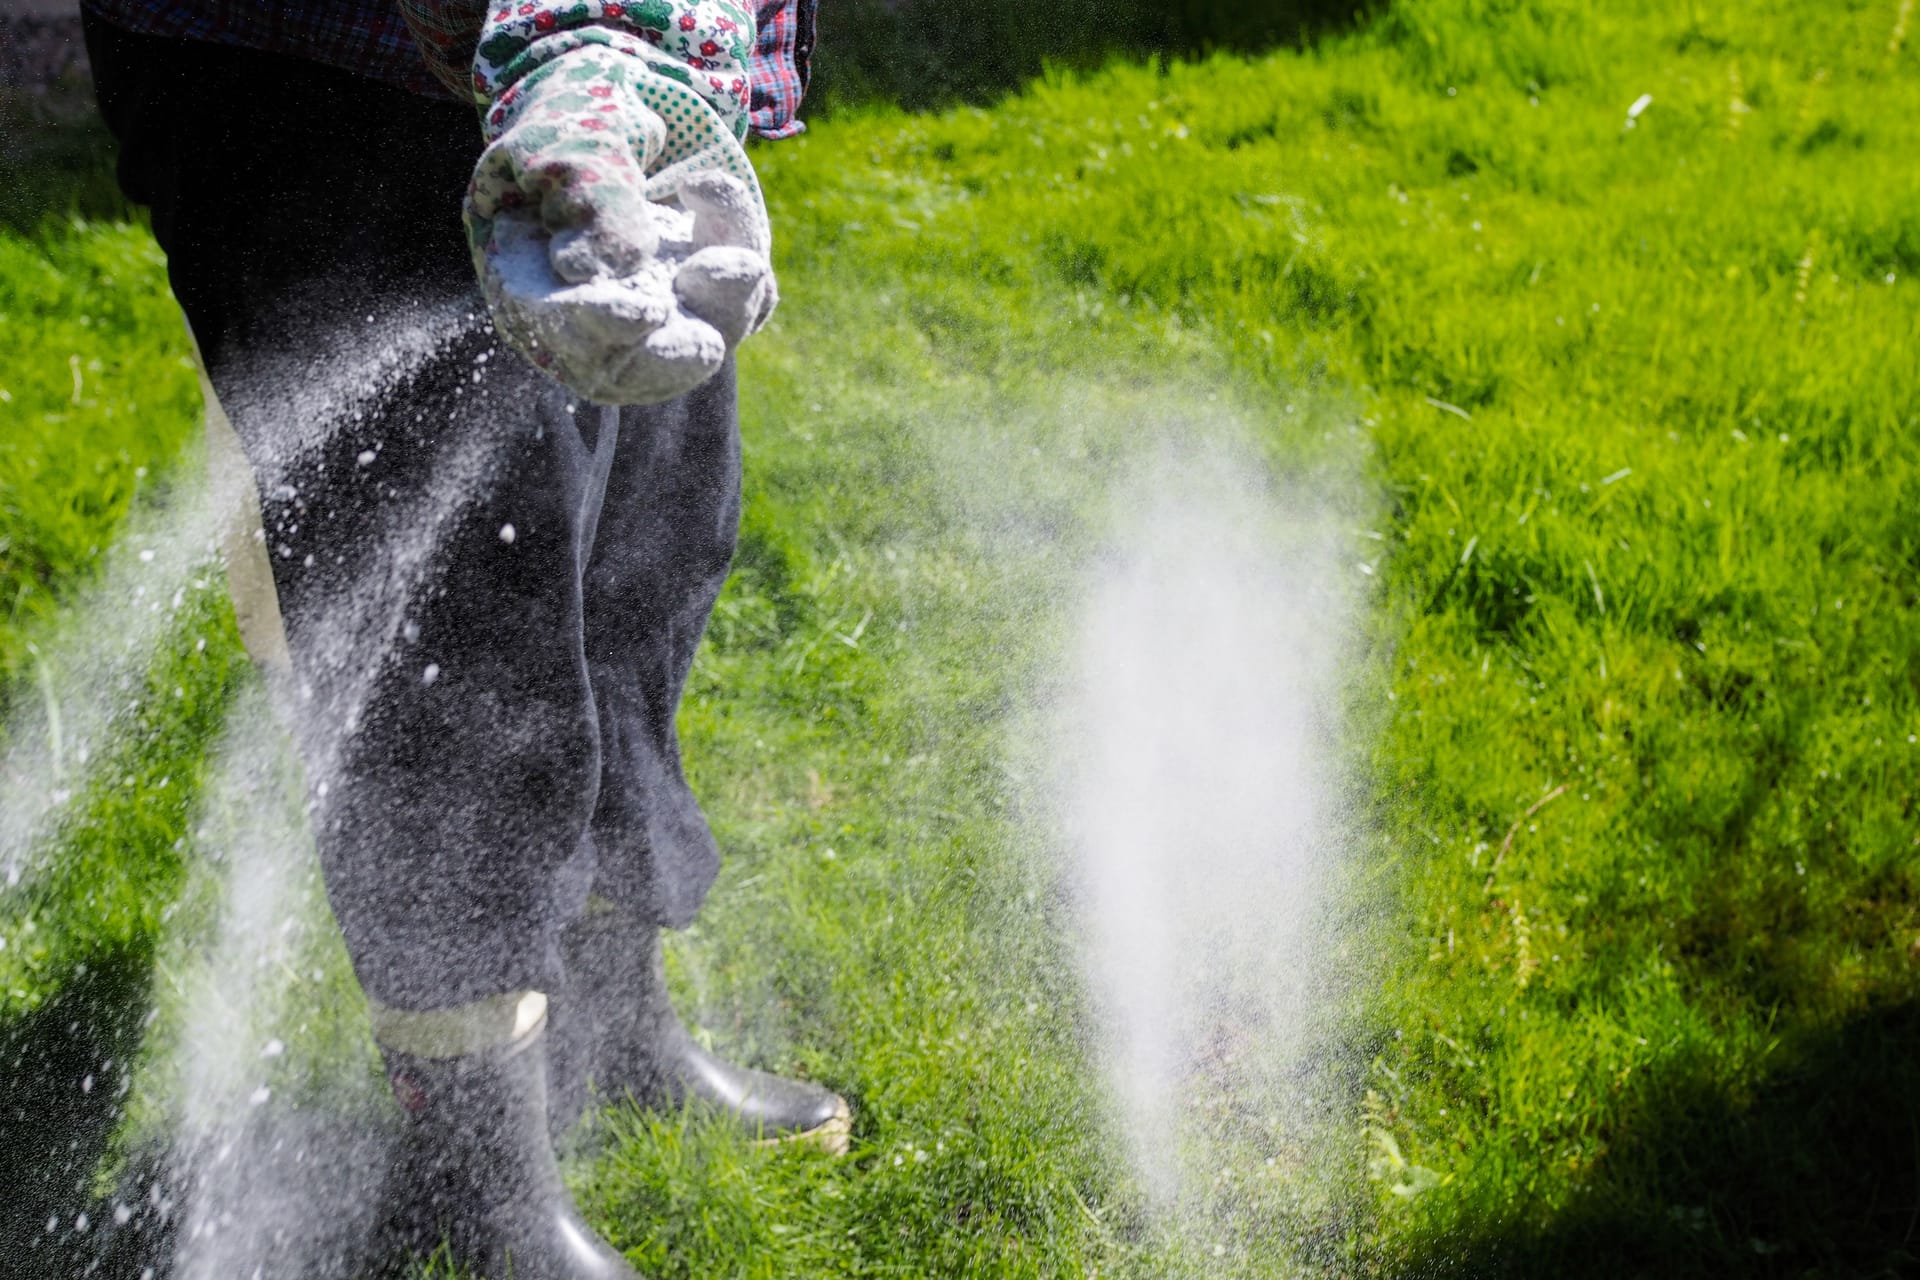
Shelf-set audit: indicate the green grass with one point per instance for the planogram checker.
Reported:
(1640, 698)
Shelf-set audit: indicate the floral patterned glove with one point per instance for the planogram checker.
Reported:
(617, 227)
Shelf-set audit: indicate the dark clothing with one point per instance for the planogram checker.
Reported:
(426, 46)
(484, 685)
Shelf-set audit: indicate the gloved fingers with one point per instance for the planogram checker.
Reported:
(668, 362)
(768, 302)
(724, 211)
(600, 224)
(623, 320)
(731, 289)
(613, 343)
(603, 250)
(674, 359)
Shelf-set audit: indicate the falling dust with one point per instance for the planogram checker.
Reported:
(278, 1143)
(1193, 792)
(86, 683)
(250, 1134)
(281, 1130)
(1187, 569)
(1203, 811)
(1167, 574)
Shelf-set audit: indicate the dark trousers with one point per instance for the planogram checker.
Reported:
(486, 660)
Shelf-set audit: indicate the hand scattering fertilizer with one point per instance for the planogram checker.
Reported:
(650, 335)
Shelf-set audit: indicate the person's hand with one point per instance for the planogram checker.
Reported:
(628, 288)
(572, 158)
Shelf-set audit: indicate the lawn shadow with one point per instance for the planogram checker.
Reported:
(285, 1190)
(1815, 1174)
(66, 1070)
(283, 1182)
(930, 54)
(56, 156)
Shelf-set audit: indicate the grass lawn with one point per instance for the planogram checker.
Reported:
(1640, 693)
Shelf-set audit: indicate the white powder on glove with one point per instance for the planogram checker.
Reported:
(627, 340)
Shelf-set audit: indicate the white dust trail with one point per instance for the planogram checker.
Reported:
(88, 676)
(88, 679)
(269, 1172)
(1204, 814)
(257, 1081)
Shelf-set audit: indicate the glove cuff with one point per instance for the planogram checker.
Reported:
(696, 140)
(702, 45)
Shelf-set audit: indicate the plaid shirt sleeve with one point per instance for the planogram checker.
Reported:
(427, 46)
(782, 57)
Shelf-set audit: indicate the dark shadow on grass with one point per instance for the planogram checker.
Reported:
(56, 156)
(927, 54)
(297, 1185)
(1816, 1174)
(63, 1074)
(55, 166)
(289, 1190)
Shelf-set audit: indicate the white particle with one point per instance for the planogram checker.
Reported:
(259, 1096)
(507, 534)
(146, 557)
(366, 457)
(431, 674)
(80, 1223)
(86, 1084)
(121, 1214)
(273, 1049)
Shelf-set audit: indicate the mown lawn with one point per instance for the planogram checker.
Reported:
(1640, 699)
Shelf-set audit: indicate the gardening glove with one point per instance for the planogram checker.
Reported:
(616, 224)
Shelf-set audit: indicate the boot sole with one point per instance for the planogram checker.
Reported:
(834, 1137)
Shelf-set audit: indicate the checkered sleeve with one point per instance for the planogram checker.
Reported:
(445, 32)
(782, 57)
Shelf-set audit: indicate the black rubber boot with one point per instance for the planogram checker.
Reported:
(477, 1169)
(615, 1032)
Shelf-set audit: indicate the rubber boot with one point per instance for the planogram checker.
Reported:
(478, 1169)
(616, 1033)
